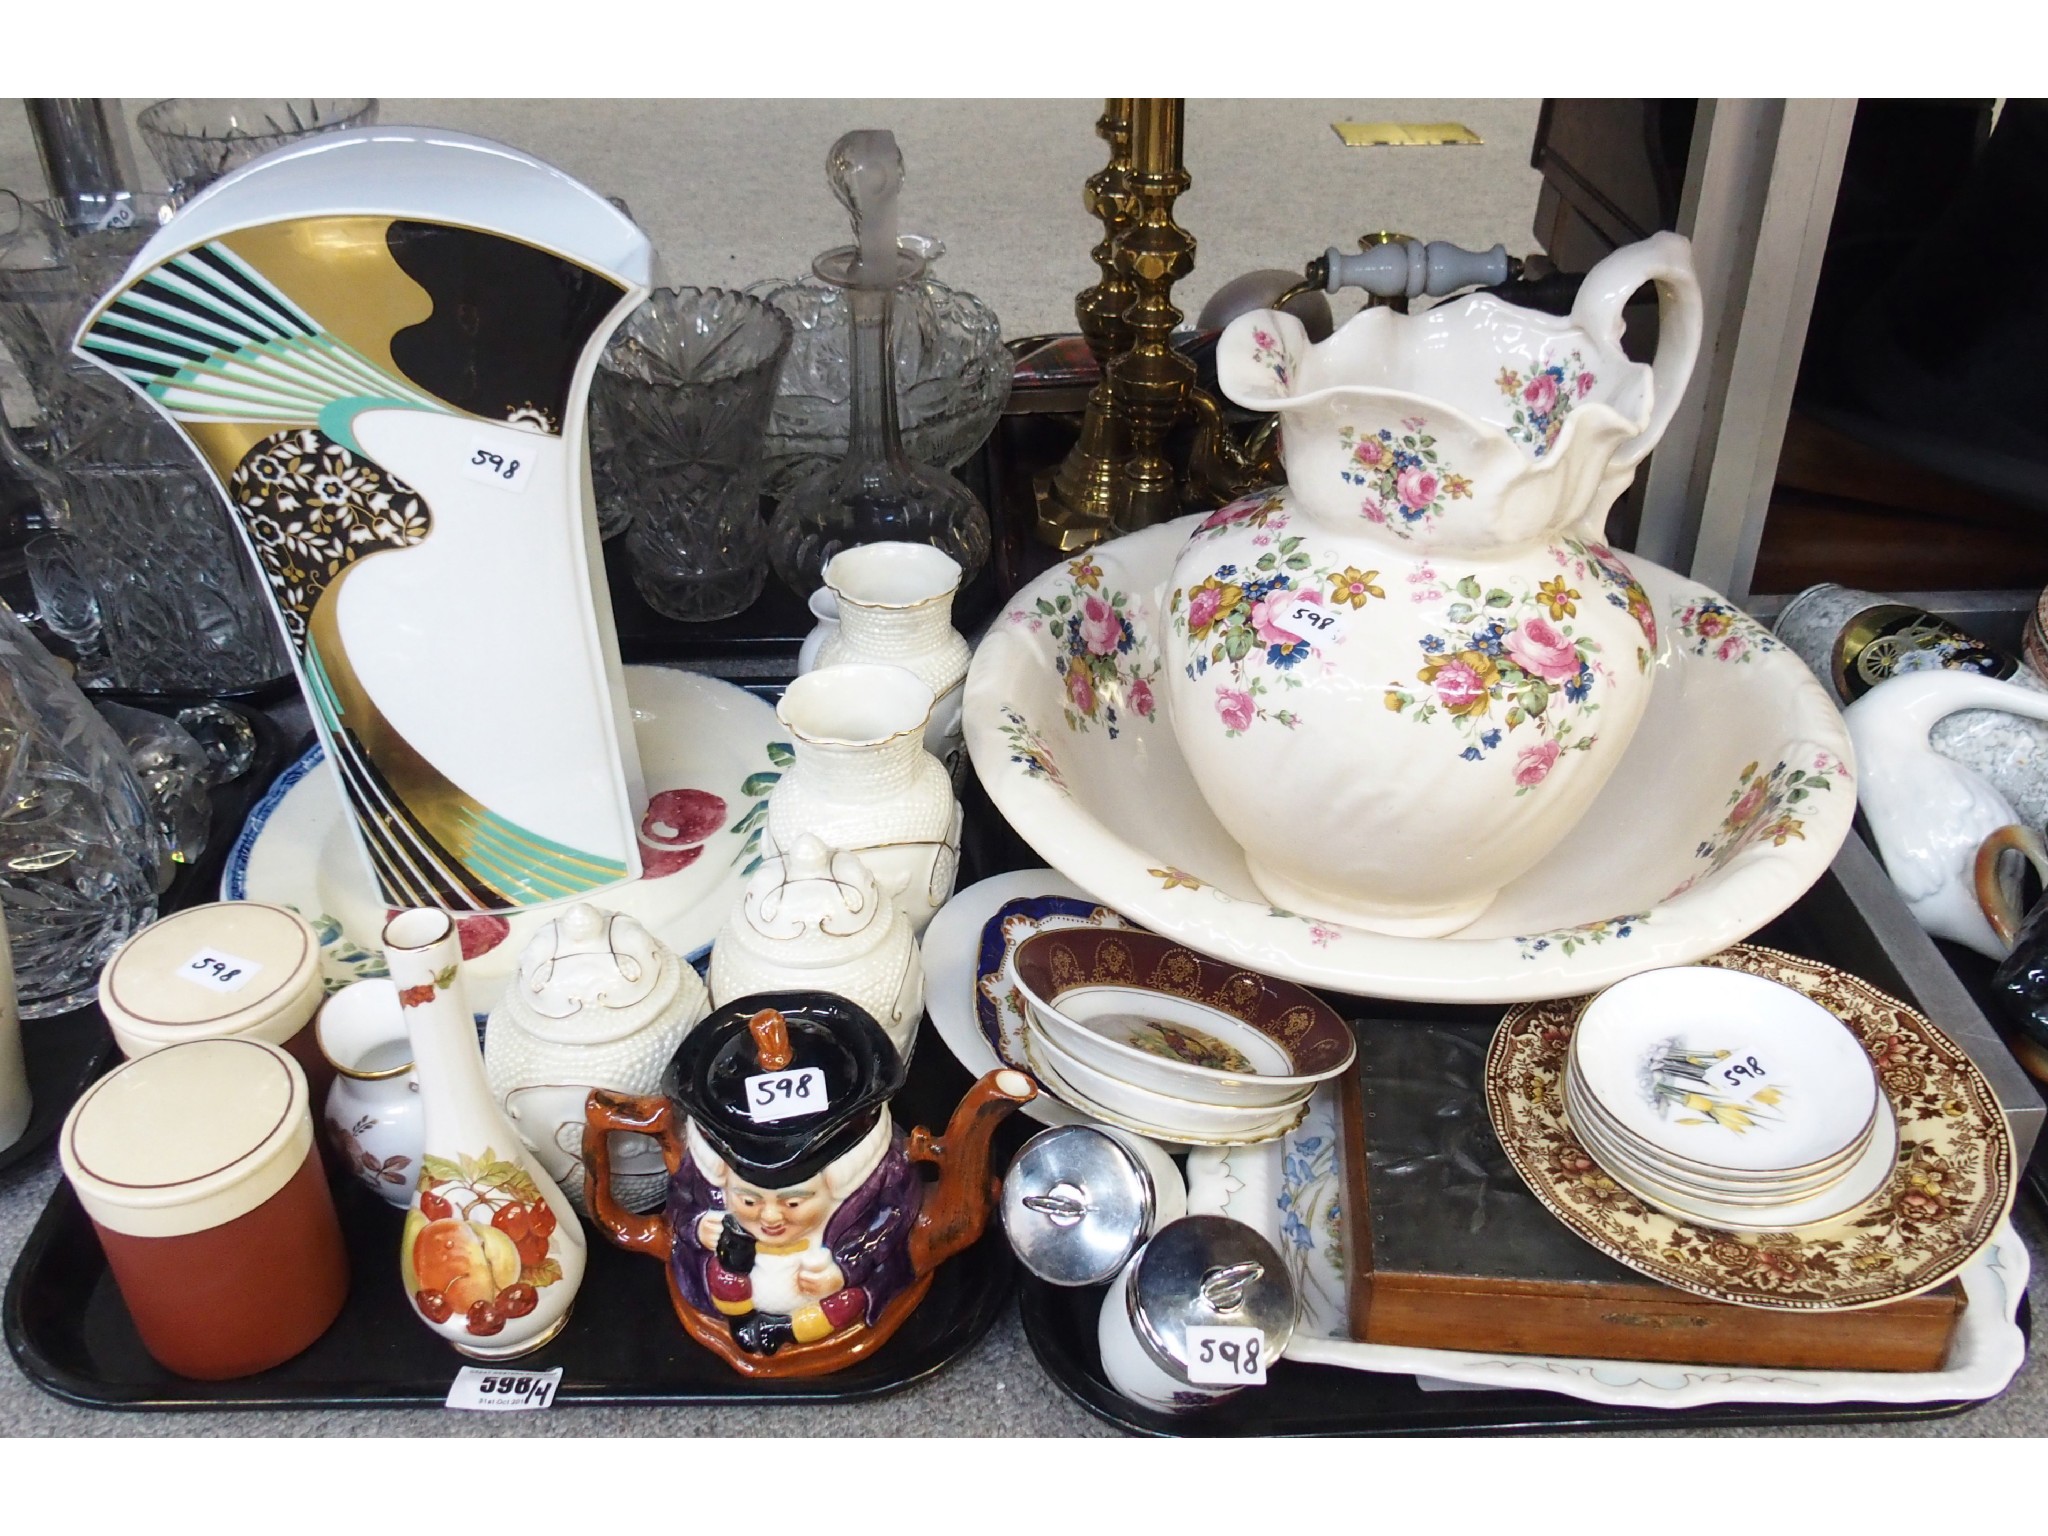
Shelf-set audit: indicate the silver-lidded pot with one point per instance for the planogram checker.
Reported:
(1198, 1272)
(1079, 1200)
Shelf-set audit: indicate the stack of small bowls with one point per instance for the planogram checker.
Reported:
(1727, 1100)
(1140, 1032)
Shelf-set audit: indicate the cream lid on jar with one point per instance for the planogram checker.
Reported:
(187, 1138)
(230, 968)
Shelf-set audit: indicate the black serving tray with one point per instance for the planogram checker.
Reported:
(69, 1331)
(1321, 1400)
(66, 1052)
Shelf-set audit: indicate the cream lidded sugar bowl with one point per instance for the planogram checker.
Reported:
(598, 1002)
(1079, 1200)
(815, 919)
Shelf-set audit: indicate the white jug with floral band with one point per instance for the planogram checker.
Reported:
(1400, 680)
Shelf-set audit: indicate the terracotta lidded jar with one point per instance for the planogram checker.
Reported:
(815, 918)
(197, 1166)
(229, 969)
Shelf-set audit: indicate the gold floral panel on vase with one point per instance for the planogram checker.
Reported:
(1952, 1186)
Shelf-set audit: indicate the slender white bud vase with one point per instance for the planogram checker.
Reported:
(894, 604)
(492, 1253)
(863, 781)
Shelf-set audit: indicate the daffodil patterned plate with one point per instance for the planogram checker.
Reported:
(1732, 798)
(1301, 1181)
(1950, 1189)
(709, 753)
(1716, 1071)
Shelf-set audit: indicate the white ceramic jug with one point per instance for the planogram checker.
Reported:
(1400, 680)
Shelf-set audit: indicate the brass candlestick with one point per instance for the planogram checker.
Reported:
(1151, 380)
(1074, 502)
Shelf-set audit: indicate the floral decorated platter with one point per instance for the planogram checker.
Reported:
(709, 753)
(1304, 1219)
(1731, 800)
(1950, 1190)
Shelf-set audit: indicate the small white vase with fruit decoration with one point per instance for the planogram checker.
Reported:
(492, 1253)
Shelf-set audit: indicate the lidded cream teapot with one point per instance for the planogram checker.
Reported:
(1400, 680)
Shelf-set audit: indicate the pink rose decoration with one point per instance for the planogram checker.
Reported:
(1540, 650)
(1535, 763)
(1081, 689)
(1540, 394)
(1263, 612)
(1458, 685)
(1101, 629)
(1417, 487)
(1585, 385)
(1370, 452)
(1141, 698)
(1235, 706)
(1202, 608)
(1746, 807)
(1730, 648)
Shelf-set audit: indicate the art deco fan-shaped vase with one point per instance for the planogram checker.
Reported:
(381, 344)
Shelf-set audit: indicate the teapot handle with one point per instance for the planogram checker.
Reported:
(653, 1115)
(1666, 260)
(1993, 894)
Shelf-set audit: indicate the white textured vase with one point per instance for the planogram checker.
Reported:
(894, 605)
(816, 919)
(493, 1252)
(598, 1002)
(863, 781)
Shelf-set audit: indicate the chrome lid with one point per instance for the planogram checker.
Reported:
(1208, 1271)
(1076, 1205)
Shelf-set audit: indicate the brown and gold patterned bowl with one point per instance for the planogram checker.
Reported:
(1155, 1014)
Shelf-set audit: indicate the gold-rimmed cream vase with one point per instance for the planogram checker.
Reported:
(372, 1116)
(894, 605)
(863, 781)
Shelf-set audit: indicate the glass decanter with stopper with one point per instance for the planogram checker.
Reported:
(877, 491)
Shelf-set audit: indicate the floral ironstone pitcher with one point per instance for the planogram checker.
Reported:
(1401, 679)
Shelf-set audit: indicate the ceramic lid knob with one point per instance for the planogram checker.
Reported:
(813, 905)
(588, 959)
(1076, 1205)
(1208, 1271)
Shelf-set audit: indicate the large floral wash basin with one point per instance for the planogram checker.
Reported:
(1731, 800)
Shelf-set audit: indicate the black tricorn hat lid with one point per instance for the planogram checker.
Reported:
(769, 1032)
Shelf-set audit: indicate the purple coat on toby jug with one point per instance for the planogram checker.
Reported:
(798, 1235)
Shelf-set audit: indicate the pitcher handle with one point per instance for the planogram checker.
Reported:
(1666, 260)
(652, 1115)
(1992, 894)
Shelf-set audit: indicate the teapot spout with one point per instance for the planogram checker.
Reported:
(957, 1209)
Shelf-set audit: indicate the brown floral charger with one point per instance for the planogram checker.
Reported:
(1951, 1189)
